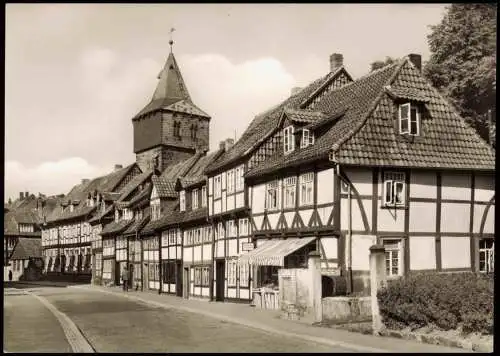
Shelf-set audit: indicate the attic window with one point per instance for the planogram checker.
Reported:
(307, 138)
(177, 129)
(288, 140)
(409, 119)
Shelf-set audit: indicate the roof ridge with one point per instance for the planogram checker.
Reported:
(326, 82)
(336, 146)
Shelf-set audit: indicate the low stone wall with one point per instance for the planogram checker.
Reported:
(346, 309)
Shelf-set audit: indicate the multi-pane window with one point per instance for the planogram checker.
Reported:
(306, 188)
(219, 233)
(288, 140)
(486, 255)
(231, 229)
(243, 227)
(232, 267)
(307, 138)
(272, 195)
(244, 274)
(204, 196)
(393, 258)
(205, 279)
(409, 119)
(394, 189)
(240, 180)
(168, 272)
(230, 181)
(194, 198)
(290, 187)
(217, 186)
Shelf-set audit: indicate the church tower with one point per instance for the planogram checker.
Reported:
(171, 127)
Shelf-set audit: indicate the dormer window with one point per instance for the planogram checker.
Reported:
(288, 140)
(307, 138)
(409, 119)
(71, 208)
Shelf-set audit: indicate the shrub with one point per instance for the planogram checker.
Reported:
(446, 300)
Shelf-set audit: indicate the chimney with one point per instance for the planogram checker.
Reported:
(229, 143)
(222, 144)
(118, 167)
(26, 195)
(85, 180)
(416, 59)
(21, 195)
(295, 90)
(336, 61)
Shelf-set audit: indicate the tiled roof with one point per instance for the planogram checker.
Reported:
(10, 224)
(196, 174)
(133, 184)
(407, 94)
(99, 216)
(164, 188)
(152, 225)
(67, 214)
(26, 248)
(137, 225)
(171, 92)
(189, 182)
(306, 116)
(142, 196)
(328, 120)
(265, 122)
(110, 196)
(116, 227)
(365, 134)
(179, 169)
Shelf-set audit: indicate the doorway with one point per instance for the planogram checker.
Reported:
(178, 278)
(220, 274)
(185, 284)
(117, 274)
(145, 277)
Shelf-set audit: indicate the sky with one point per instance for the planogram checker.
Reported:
(76, 74)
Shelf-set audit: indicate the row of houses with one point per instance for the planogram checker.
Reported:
(338, 166)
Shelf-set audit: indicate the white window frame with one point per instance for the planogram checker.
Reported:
(392, 181)
(195, 198)
(288, 139)
(217, 186)
(272, 186)
(289, 189)
(182, 200)
(307, 138)
(391, 247)
(489, 255)
(408, 130)
(204, 196)
(230, 181)
(243, 227)
(306, 189)
(240, 180)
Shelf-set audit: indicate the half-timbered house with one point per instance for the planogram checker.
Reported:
(229, 200)
(391, 162)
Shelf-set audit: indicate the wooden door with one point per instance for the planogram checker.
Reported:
(185, 283)
(178, 278)
(220, 275)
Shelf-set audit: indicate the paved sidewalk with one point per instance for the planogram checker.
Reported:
(269, 321)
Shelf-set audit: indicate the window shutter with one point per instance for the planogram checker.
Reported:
(404, 118)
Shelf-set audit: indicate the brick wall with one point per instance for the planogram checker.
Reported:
(166, 156)
(185, 140)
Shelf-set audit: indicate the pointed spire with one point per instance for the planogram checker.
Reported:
(171, 84)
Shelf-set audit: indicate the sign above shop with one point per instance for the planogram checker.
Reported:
(247, 246)
(330, 271)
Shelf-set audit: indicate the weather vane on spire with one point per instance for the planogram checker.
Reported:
(171, 42)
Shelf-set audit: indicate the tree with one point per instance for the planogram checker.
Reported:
(381, 64)
(462, 64)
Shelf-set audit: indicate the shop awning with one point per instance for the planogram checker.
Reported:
(273, 252)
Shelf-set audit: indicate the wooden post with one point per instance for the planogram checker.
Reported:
(377, 281)
(315, 292)
(160, 265)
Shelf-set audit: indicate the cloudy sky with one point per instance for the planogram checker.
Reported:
(77, 73)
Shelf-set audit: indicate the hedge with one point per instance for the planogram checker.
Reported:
(445, 300)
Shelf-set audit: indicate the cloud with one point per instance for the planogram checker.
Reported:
(57, 177)
(233, 93)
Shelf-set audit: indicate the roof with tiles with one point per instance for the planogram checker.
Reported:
(80, 192)
(262, 124)
(365, 134)
(102, 214)
(114, 227)
(137, 225)
(142, 196)
(352, 98)
(164, 188)
(27, 248)
(168, 210)
(306, 116)
(196, 174)
(133, 184)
